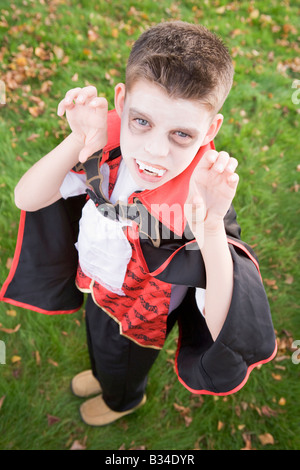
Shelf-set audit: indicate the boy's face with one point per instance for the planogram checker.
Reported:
(160, 135)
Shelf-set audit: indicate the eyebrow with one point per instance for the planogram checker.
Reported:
(185, 130)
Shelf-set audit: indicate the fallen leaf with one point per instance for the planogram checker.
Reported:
(10, 330)
(1, 401)
(267, 411)
(53, 362)
(266, 438)
(41, 53)
(289, 279)
(188, 420)
(247, 440)
(52, 420)
(220, 425)
(276, 376)
(35, 111)
(37, 358)
(58, 51)
(11, 313)
(15, 359)
(183, 410)
(92, 35)
(282, 401)
(32, 137)
(46, 86)
(9, 263)
(77, 445)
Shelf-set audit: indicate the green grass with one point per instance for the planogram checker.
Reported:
(261, 129)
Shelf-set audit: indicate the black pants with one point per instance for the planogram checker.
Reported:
(120, 365)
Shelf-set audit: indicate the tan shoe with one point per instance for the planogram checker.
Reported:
(85, 384)
(95, 412)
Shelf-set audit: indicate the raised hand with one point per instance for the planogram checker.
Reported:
(212, 189)
(87, 117)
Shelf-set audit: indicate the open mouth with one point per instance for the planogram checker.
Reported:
(150, 170)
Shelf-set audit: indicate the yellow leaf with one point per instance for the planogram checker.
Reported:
(254, 14)
(11, 313)
(220, 425)
(266, 438)
(15, 359)
(276, 376)
(37, 358)
(21, 61)
(115, 33)
(87, 52)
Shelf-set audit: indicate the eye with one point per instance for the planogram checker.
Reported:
(141, 122)
(183, 135)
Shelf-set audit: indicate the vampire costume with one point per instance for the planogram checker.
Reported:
(155, 279)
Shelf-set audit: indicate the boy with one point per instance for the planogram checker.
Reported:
(158, 239)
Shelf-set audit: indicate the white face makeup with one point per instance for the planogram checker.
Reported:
(160, 135)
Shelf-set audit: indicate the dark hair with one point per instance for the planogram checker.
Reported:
(187, 60)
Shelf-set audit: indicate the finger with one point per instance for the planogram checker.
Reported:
(208, 159)
(99, 102)
(233, 180)
(86, 94)
(72, 94)
(232, 165)
(221, 162)
(68, 101)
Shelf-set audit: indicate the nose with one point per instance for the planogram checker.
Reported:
(157, 147)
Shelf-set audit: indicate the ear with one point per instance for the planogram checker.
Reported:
(213, 129)
(119, 98)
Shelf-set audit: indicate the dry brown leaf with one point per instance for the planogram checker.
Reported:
(77, 445)
(92, 35)
(46, 86)
(37, 358)
(276, 376)
(220, 425)
(267, 411)
(247, 440)
(188, 420)
(52, 419)
(32, 137)
(266, 438)
(183, 410)
(59, 52)
(11, 330)
(35, 111)
(1, 401)
(52, 362)
(289, 279)
(9, 263)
